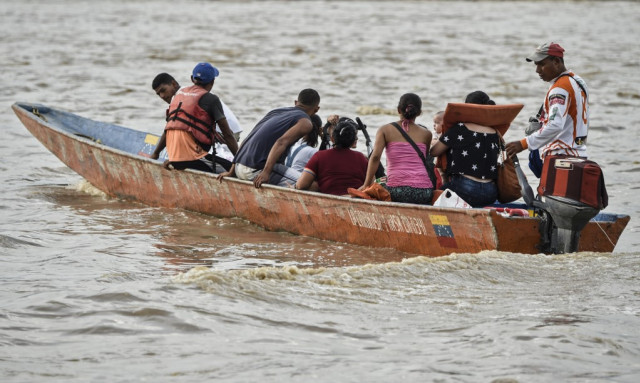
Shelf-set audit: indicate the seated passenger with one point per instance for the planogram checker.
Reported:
(407, 176)
(166, 87)
(300, 153)
(472, 157)
(438, 121)
(261, 157)
(437, 126)
(339, 168)
(327, 132)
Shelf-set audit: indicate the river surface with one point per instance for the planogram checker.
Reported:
(93, 289)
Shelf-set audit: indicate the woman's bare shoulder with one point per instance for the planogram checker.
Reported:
(479, 128)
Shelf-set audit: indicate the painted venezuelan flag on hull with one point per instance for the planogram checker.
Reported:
(443, 231)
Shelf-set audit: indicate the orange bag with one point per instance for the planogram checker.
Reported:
(375, 191)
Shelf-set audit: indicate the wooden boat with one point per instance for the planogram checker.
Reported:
(116, 160)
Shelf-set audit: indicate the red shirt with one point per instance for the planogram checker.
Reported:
(338, 169)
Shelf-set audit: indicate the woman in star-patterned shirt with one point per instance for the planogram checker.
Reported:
(472, 152)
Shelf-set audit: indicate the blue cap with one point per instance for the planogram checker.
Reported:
(205, 73)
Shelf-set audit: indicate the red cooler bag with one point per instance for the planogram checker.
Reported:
(573, 177)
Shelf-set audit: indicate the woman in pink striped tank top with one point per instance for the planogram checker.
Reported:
(407, 177)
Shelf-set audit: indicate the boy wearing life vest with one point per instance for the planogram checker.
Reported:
(166, 87)
(191, 122)
(564, 118)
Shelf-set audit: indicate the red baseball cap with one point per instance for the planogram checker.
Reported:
(545, 50)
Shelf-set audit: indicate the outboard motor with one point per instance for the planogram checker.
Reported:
(568, 217)
(570, 194)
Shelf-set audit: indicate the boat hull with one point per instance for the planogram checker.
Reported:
(414, 229)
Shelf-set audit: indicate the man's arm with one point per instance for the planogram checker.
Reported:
(213, 105)
(162, 143)
(230, 173)
(558, 100)
(306, 180)
(514, 147)
(229, 138)
(297, 131)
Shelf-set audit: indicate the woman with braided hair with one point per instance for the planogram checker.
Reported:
(335, 170)
(408, 179)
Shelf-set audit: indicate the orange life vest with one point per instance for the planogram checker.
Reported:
(185, 114)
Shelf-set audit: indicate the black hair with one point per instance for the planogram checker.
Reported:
(325, 142)
(309, 97)
(316, 121)
(345, 133)
(162, 78)
(312, 137)
(479, 97)
(410, 106)
(197, 81)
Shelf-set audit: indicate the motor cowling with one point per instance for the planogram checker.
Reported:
(571, 193)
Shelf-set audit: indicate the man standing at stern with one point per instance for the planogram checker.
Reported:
(564, 117)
